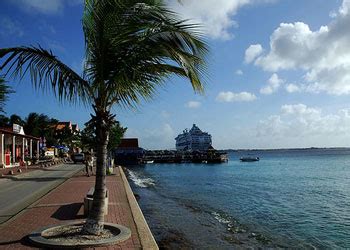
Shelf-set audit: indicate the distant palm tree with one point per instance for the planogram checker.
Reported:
(5, 90)
(131, 47)
(16, 119)
(40, 125)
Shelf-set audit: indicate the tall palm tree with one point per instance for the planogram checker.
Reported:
(5, 90)
(131, 47)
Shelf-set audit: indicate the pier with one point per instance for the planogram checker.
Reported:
(174, 156)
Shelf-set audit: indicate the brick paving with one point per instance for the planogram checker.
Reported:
(64, 204)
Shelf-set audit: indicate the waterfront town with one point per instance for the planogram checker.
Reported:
(48, 156)
(174, 124)
(18, 149)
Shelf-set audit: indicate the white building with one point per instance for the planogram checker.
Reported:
(193, 139)
(15, 146)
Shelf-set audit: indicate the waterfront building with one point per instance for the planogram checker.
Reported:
(61, 130)
(193, 140)
(16, 146)
(128, 152)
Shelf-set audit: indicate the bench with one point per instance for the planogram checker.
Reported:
(88, 199)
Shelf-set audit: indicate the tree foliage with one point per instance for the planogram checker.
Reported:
(5, 90)
(68, 137)
(88, 136)
(38, 125)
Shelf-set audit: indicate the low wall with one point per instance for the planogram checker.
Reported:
(145, 234)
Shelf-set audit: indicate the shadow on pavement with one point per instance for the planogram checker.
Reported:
(68, 212)
(53, 170)
(37, 179)
(11, 242)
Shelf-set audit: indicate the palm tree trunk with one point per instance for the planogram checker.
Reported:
(95, 220)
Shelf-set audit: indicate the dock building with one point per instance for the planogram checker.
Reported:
(193, 140)
(128, 152)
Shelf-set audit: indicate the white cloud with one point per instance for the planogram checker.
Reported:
(239, 72)
(252, 52)
(44, 6)
(9, 27)
(235, 97)
(272, 86)
(215, 16)
(333, 14)
(306, 126)
(299, 109)
(292, 126)
(193, 104)
(323, 54)
(292, 88)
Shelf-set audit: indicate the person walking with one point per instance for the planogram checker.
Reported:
(88, 163)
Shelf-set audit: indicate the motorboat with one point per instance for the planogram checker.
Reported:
(249, 159)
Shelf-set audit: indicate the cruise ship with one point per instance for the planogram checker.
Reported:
(193, 140)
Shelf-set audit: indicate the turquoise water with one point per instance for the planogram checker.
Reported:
(297, 198)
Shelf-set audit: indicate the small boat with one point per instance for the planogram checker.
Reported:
(249, 159)
(149, 162)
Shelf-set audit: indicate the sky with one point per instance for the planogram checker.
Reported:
(278, 72)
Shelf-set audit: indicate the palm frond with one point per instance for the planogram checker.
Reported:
(133, 47)
(46, 71)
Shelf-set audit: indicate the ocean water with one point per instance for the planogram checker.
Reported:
(290, 198)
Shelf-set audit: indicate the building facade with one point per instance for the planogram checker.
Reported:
(67, 134)
(193, 140)
(67, 125)
(15, 146)
(128, 152)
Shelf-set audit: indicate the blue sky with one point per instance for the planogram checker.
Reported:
(279, 72)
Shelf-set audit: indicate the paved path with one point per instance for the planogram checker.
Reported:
(64, 204)
(18, 192)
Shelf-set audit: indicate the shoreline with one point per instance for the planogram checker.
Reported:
(143, 230)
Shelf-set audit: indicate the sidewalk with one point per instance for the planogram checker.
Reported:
(19, 170)
(65, 203)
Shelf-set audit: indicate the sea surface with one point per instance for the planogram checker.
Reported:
(290, 198)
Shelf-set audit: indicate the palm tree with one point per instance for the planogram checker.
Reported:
(16, 119)
(131, 48)
(5, 90)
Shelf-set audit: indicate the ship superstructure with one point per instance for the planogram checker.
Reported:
(193, 140)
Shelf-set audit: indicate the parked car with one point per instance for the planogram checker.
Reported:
(78, 157)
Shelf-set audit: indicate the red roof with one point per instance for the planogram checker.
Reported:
(62, 125)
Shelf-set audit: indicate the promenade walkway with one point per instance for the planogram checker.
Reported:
(17, 192)
(65, 203)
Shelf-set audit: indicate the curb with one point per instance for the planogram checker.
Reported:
(38, 237)
(146, 237)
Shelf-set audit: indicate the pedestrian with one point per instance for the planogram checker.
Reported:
(88, 163)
